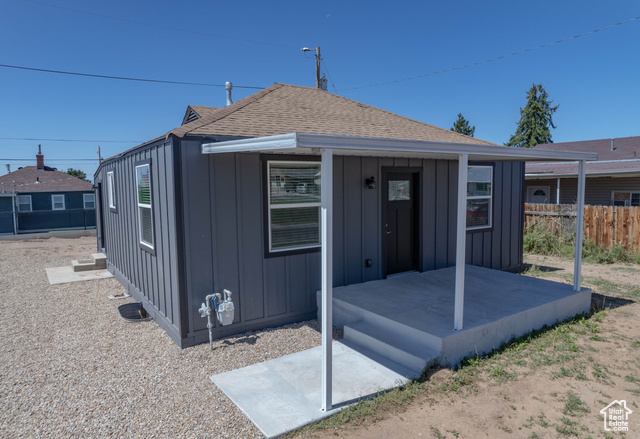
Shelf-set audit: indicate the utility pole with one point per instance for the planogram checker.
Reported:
(318, 67)
(99, 155)
(320, 83)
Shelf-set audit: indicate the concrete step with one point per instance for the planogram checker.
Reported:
(83, 265)
(415, 355)
(381, 359)
(100, 260)
(346, 313)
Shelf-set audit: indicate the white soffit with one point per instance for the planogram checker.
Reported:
(299, 143)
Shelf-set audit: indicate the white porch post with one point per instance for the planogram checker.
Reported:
(579, 225)
(326, 202)
(558, 192)
(461, 240)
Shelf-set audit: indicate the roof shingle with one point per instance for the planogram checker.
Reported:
(29, 179)
(283, 108)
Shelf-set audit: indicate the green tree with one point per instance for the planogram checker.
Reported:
(462, 126)
(77, 173)
(535, 120)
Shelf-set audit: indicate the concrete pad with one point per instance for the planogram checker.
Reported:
(63, 275)
(284, 394)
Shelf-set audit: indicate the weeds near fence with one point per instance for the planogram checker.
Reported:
(539, 240)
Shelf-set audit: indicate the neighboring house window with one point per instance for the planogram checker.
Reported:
(145, 214)
(24, 203)
(538, 194)
(57, 202)
(479, 196)
(626, 199)
(89, 201)
(111, 190)
(293, 202)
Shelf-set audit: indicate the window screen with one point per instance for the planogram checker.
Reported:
(479, 195)
(24, 203)
(294, 205)
(145, 215)
(57, 202)
(89, 201)
(111, 190)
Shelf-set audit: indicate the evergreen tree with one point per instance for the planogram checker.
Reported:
(462, 126)
(77, 173)
(535, 120)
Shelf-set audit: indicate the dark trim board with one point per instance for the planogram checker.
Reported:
(238, 330)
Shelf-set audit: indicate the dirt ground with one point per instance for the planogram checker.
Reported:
(554, 386)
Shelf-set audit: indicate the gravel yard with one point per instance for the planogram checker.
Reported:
(71, 367)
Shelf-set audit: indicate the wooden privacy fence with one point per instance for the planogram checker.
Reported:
(605, 225)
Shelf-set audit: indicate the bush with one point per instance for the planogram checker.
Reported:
(539, 240)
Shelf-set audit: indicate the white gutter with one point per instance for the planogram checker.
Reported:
(588, 174)
(344, 145)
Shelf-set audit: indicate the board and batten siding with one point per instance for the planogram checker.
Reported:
(222, 202)
(597, 191)
(149, 278)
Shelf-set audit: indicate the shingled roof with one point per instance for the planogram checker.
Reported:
(615, 156)
(283, 108)
(30, 179)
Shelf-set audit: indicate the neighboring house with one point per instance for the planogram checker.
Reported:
(44, 199)
(232, 200)
(613, 180)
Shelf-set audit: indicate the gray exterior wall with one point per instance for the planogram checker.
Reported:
(597, 189)
(224, 236)
(153, 279)
(209, 234)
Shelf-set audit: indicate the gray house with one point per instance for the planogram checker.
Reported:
(41, 198)
(232, 200)
(612, 180)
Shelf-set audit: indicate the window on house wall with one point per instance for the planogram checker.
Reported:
(479, 197)
(57, 202)
(24, 203)
(89, 201)
(293, 200)
(145, 214)
(111, 190)
(626, 199)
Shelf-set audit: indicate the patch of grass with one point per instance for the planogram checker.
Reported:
(454, 433)
(539, 240)
(533, 436)
(597, 338)
(568, 427)
(436, 433)
(542, 420)
(574, 406)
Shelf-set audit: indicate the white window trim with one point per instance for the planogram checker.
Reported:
(483, 197)
(144, 206)
(84, 201)
(288, 206)
(630, 192)
(111, 190)
(18, 203)
(53, 202)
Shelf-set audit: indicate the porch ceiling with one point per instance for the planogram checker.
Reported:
(300, 143)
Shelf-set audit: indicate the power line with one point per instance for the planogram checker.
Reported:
(123, 78)
(51, 160)
(160, 26)
(71, 140)
(330, 78)
(520, 52)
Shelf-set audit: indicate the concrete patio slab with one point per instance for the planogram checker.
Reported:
(63, 275)
(284, 394)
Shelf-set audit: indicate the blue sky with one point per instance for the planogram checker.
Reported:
(594, 79)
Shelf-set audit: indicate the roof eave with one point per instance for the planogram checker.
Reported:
(301, 143)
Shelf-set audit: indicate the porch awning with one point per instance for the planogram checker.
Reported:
(301, 143)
